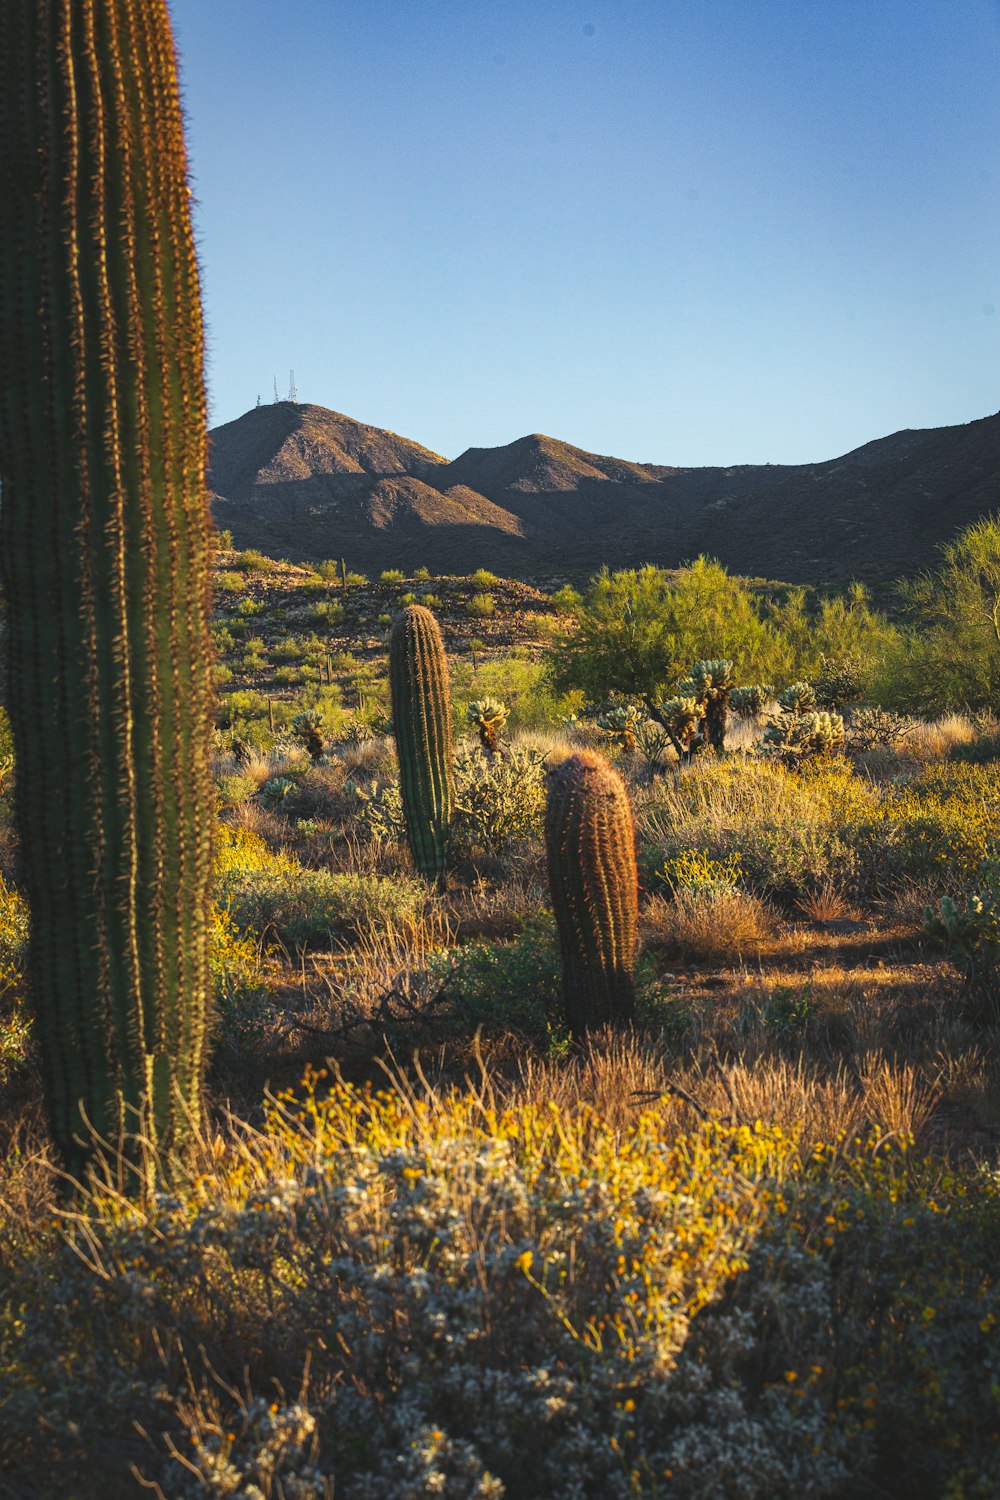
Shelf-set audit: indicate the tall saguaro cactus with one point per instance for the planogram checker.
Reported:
(106, 553)
(421, 717)
(590, 843)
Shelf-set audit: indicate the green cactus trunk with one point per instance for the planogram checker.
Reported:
(590, 843)
(421, 717)
(106, 556)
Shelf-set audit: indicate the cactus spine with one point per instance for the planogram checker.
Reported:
(590, 843)
(421, 717)
(106, 556)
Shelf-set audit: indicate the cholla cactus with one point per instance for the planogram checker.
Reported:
(805, 736)
(682, 716)
(621, 725)
(307, 727)
(499, 800)
(750, 702)
(872, 727)
(798, 698)
(489, 716)
(713, 681)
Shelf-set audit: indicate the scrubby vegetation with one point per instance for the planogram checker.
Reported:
(438, 1237)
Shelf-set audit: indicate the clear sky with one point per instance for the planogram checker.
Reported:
(676, 231)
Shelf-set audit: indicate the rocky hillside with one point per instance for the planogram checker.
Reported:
(305, 483)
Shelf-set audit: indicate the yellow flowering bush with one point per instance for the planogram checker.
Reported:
(519, 1302)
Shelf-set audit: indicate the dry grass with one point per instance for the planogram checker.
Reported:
(828, 904)
(932, 741)
(708, 925)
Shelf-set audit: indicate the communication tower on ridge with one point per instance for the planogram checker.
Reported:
(293, 394)
(276, 397)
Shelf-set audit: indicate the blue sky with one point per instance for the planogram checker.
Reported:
(718, 231)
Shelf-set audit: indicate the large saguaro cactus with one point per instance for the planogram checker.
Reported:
(106, 553)
(421, 718)
(590, 843)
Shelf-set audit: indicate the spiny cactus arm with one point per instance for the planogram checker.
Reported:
(106, 555)
(590, 846)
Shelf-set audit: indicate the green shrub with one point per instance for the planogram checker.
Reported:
(502, 986)
(482, 578)
(230, 583)
(251, 561)
(480, 606)
(266, 892)
(567, 600)
(391, 575)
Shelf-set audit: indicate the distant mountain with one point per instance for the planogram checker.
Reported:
(305, 483)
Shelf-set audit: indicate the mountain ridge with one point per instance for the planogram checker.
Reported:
(304, 482)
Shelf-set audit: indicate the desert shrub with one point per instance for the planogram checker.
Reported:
(250, 607)
(266, 892)
(391, 575)
(518, 680)
(15, 1022)
(297, 676)
(980, 751)
(421, 574)
(531, 1301)
(235, 789)
(694, 870)
(785, 828)
(513, 986)
(567, 600)
(327, 612)
(482, 578)
(708, 923)
(251, 561)
(480, 606)
(230, 583)
(236, 961)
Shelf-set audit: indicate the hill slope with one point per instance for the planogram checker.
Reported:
(305, 483)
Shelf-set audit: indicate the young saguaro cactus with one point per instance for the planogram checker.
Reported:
(106, 556)
(590, 843)
(421, 718)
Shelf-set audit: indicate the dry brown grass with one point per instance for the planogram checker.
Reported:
(933, 740)
(708, 925)
(828, 904)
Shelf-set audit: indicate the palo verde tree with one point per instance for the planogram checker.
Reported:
(106, 553)
(951, 657)
(640, 630)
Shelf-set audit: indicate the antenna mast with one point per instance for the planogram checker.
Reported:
(293, 394)
(276, 390)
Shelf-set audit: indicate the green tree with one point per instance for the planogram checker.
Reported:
(950, 657)
(640, 630)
